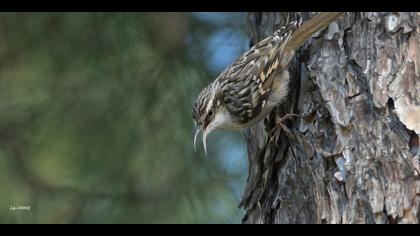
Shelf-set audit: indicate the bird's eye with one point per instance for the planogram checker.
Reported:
(210, 114)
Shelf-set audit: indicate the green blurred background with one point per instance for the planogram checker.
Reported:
(95, 118)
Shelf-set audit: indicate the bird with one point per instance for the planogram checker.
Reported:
(256, 82)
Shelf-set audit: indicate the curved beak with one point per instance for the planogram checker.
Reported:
(204, 140)
(205, 132)
(195, 137)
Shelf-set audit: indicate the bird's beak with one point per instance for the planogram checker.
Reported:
(205, 132)
(195, 136)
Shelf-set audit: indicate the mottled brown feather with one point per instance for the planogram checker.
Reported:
(246, 84)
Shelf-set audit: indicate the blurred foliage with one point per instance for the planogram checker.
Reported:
(95, 120)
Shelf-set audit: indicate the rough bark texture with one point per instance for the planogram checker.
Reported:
(352, 156)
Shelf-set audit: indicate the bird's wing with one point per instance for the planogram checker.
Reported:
(248, 81)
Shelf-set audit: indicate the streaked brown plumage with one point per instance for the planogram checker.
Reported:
(245, 92)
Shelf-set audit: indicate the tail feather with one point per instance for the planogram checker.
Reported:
(308, 28)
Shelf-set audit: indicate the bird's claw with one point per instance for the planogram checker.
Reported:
(279, 126)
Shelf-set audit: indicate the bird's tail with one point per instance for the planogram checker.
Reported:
(308, 28)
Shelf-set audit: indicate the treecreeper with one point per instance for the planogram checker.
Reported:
(258, 81)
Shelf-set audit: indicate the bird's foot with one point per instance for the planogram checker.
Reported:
(279, 126)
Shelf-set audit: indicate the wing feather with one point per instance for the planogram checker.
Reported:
(248, 81)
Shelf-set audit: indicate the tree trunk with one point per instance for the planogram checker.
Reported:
(352, 156)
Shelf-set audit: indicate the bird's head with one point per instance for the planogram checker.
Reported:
(209, 112)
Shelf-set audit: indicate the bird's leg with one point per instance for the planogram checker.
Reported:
(279, 126)
(279, 120)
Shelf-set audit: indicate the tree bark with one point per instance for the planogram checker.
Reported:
(352, 156)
